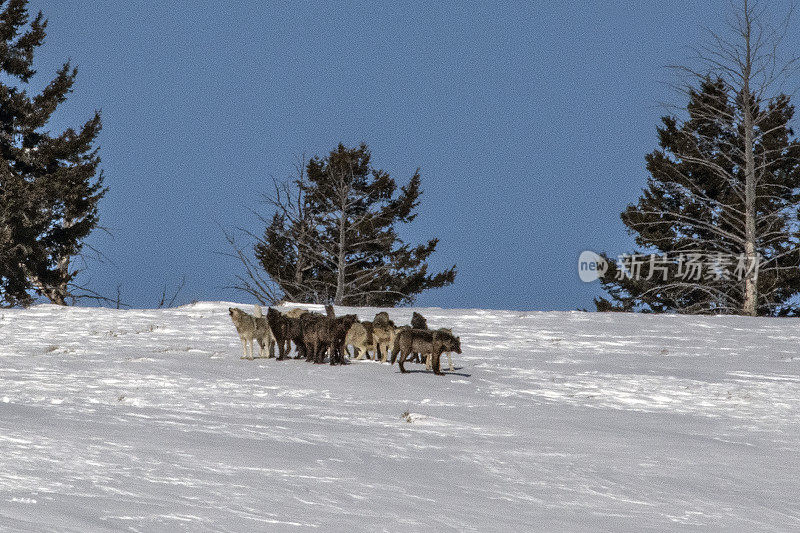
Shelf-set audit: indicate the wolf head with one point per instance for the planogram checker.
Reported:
(449, 342)
(349, 320)
(418, 321)
(275, 320)
(457, 345)
(381, 318)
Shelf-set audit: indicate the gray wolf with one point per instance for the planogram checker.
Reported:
(426, 342)
(429, 359)
(252, 328)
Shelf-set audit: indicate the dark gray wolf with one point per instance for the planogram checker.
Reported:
(286, 329)
(339, 329)
(426, 342)
(417, 322)
(327, 335)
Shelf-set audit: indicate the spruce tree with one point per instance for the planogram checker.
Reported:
(336, 240)
(695, 204)
(49, 184)
(724, 185)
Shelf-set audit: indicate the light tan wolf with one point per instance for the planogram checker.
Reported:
(250, 328)
(358, 338)
(383, 332)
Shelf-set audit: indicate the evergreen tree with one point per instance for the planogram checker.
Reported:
(334, 239)
(695, 204)
(724, 184)
(49, 184)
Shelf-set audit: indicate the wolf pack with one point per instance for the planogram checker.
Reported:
(319, 337)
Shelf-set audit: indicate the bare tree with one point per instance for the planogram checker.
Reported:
(291, 225)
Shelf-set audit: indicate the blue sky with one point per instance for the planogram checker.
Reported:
(529, 120)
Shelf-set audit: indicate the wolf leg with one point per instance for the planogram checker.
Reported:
(244, 349)
(337, 354)
(436, 363)
(323, 351)
(283, 349)
(384, 353)
(450, 360)
(401, 360)
(362, 353)
(315, 354)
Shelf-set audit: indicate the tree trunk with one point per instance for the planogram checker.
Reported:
(339, 298)
(57, 295)
(750, 303)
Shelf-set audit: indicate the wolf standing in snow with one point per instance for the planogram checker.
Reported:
(382, 335)
(426, 342)
(250, 328)
(287, 329)
(327, 335)
(359, 338)
(418, 322)
(429, 359)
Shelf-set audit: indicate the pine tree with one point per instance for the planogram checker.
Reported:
(49, 184)
(334, 238)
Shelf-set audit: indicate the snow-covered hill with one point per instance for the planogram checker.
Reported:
(148, 420)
